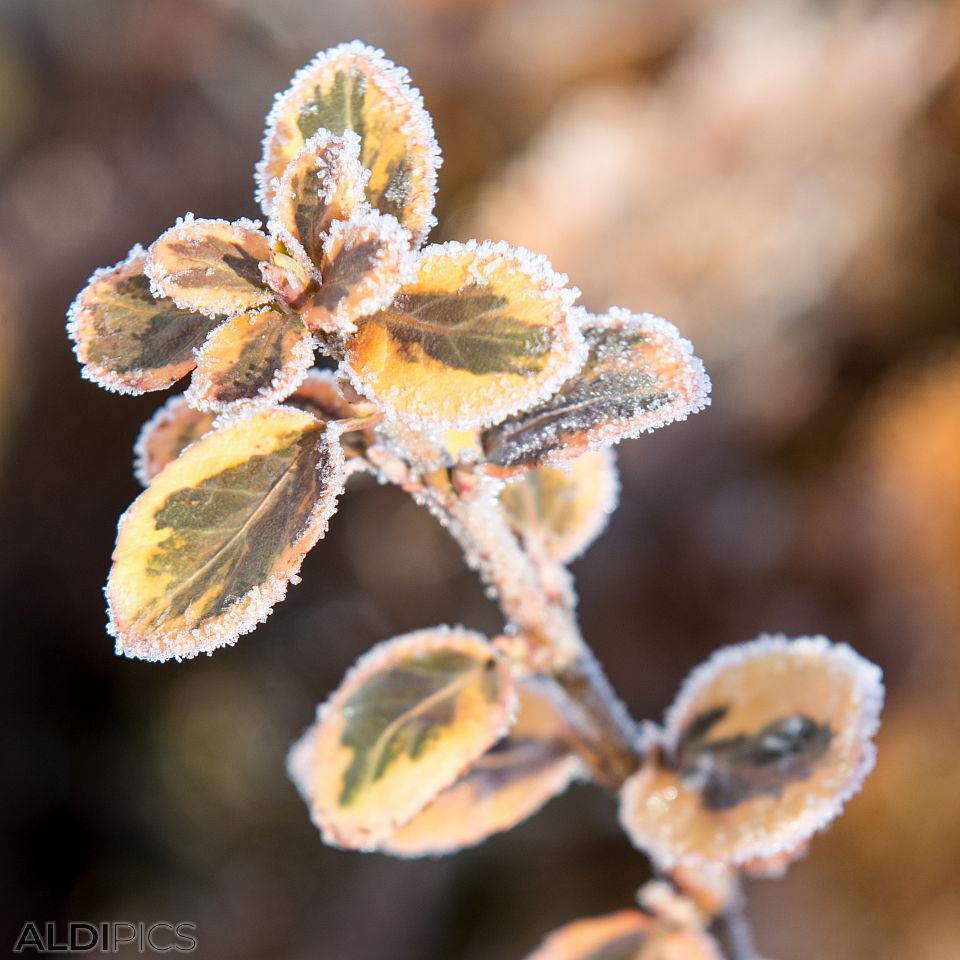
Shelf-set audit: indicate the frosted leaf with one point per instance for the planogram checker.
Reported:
(259, 357)
(353, 87)
(560, 511)
(320, 395)
(509, 783)
(166, 435)
(129, 340)
(625, 935)
(210, 266)
(322, 184)
(639, 375)
(763, 746)
(209, 547)
(409, 717)
(363, 263)
(483, 331)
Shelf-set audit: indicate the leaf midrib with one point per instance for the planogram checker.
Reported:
(448, 689)
(242, 530)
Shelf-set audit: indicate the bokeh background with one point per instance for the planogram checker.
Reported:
(779, 177)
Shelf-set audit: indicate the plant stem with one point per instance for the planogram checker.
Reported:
(538, 603)
(735, 932)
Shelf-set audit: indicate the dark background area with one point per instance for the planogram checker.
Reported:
(781, 178)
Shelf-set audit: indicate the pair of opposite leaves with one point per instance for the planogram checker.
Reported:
(422, 751)
(455, 336)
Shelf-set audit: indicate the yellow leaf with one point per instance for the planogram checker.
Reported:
(256, 357)
(364, 261)
(129, 340)
(763, 746)
(625, 935)
(209, 547)
(509, 783)
(560, 511)
(408, 719)
(166, 434)
(353, 87)
(639, 374)
(484, 331)
(322, 184)
(210, 266)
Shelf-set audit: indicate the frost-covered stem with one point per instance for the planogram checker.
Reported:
(538, 604)
(601, 720)
(734, 930)
(537, 601)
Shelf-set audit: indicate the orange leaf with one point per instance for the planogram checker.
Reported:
(763, 746)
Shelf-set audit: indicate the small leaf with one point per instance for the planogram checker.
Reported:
(255, 357)
(625, 935)
(166, 434)
(129, 340)
(407, 720)
(322, 184)
(639, 375)
(354, 87)
(320, 395)
(209, 547)
(509, 783)
(210, 266)
(365, 259)
(484, 330)
(560, 511)
(763, 746)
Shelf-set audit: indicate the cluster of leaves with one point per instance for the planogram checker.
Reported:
(475, 337)
(435, 740)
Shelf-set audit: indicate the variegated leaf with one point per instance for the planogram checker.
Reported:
(509, 783)
(166, 435)
(256, 357)
(625, 935)
(560, 511)
(322, 184)
(353, 87)
(211, 266)
(364, 261)
(483, 331)
(129, 340)
(408, 719)
(209, 547)
(763, 746)
(639, 375)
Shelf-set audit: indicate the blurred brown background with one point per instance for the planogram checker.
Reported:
(779, 177)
